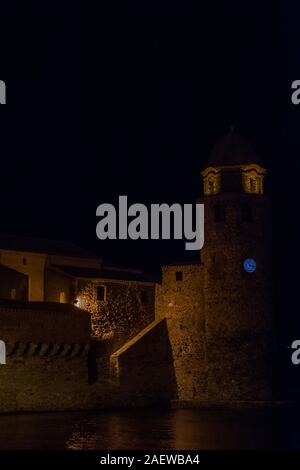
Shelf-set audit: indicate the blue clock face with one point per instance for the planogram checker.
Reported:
(250, 265)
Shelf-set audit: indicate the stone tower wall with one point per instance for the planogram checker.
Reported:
(219, 317)
(181, 303)
(237, 304)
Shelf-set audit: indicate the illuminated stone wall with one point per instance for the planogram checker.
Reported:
(237, 304)
(123, 313)
(43, 322)
(39, 381)
(52, 365)
(47, 348)
(180, 302)
(219, 317)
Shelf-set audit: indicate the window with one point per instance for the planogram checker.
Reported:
(253, 186)
(24, 261)
(101, 293)
(219, 213)
(179, 276)
(62, 297)
(247, 215)
(13, 294)
(211, 186)
(144, 297)
(212, 182)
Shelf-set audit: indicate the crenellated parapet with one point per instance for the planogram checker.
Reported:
(27, 350)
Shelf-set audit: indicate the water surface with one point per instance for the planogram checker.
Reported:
(152, 429)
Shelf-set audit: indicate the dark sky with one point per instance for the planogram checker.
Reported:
(129, 98)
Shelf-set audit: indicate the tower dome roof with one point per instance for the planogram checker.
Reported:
(232, 149)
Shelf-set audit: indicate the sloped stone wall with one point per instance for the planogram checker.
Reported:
(143, 368)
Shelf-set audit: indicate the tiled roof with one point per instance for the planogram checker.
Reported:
(41, 245)
(106, 273)
(232, 149)
(40, 306)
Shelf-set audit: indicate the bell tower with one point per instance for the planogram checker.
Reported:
(237, 274)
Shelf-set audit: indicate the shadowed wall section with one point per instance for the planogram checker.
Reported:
(13, 284)
(143, 368)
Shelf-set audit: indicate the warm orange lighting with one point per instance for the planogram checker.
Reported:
(212, 181)
(253, 179)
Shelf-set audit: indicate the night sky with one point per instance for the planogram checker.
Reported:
(129, 99)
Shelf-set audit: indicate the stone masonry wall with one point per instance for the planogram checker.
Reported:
(122, 314)
(47, 361)
(143, 368)
(180, 302)
(43, 322)
(37, 382)
(51, 364)
(238, 305)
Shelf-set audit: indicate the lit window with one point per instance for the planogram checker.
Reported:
(13, 294)
(179, 276)
(62, 297)
(101, 293)
(253, 178)
(212, 183)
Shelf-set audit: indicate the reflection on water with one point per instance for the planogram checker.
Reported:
(152, 429)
